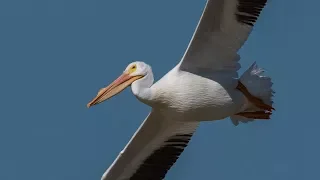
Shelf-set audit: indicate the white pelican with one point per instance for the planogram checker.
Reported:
(204, 86)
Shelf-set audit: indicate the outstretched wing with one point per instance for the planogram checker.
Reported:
(223, 28)
(152, 150)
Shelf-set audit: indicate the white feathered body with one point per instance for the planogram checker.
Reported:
(196, 98)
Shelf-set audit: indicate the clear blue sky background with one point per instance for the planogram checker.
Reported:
(56, 54)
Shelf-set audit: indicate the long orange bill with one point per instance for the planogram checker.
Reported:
(114, 88)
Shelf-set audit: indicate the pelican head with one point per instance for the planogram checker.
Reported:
(139, 74)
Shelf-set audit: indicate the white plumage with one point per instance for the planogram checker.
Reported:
(204, 86)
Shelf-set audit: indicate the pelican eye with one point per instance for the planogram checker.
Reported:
(133, 68)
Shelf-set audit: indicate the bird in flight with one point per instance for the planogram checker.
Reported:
(203, 86)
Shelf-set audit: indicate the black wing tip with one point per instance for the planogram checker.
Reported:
(248, 11)
(161, 160)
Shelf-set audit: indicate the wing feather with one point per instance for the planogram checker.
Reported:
(152, 150)
(223, 28)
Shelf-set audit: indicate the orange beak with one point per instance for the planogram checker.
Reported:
(114, 88)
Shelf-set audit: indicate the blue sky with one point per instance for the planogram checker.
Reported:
(56, 54)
